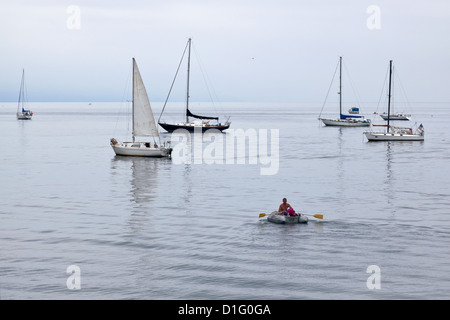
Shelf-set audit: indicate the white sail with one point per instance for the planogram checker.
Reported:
(21, 104)
(144, 124)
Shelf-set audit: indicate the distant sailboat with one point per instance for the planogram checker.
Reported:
(144, 125)
(205, 124)
(395, 133)
(22, 113)
(395, 116)
(345, 120)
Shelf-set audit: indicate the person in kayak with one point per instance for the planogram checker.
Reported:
(284, 207)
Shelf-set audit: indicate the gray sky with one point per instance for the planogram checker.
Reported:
(251, 50)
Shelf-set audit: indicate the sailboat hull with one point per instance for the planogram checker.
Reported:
(24, 116)
(192, 127)
(345, 122)
(395, 117)
(139, 149)
(383, 136)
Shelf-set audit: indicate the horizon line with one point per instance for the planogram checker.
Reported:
(235, 101)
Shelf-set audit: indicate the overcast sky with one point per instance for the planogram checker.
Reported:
(250, 50)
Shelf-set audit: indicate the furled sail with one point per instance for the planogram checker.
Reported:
(347, 116)
(144, 124)
(190, 114)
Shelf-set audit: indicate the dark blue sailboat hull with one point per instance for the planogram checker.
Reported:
(172, 127)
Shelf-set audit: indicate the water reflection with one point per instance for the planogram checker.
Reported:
(388, 183)
(137, 196)
(389, 174)
(340, 169)
(144, 175)
(187, 192)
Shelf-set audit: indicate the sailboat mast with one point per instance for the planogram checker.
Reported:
(132, 101)
(389, 94)
(340, 86)
(188, 72)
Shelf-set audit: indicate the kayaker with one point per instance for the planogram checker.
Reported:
(284, 206)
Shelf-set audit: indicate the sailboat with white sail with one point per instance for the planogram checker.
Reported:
(205, 123)
(22, 112)
(394, 133)
(143, 123)
(346, 120)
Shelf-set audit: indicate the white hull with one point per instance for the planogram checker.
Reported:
(396, 117)
(278, 218)
(24, 116)
(383, 136)
(139, 149)
(345, 122)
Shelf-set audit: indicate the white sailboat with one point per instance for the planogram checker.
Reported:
(22, 113)
(346, 120)
(144, 125)
(395, 116)
(205, 123)
(394, 133)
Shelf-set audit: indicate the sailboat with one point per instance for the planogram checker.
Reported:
(191, 126)
(346, 120)
(143, 123)
(395, 133)
(395, 116)
(22, 113)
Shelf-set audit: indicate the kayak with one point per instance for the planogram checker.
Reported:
(276, 217)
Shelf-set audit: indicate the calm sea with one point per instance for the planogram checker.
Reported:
(137, 228)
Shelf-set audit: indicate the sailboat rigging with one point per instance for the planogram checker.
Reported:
(22, 113)
(191, 126)
(143, 123)
(346, 120)
(395, 133)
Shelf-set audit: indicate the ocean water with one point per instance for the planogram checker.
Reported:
(142, 228)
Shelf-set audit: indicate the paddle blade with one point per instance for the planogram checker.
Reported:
(318, 216)
(262, 215)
